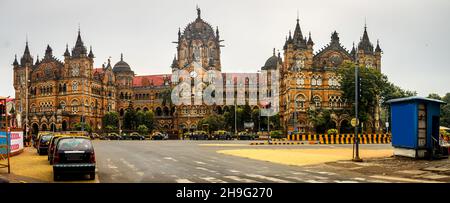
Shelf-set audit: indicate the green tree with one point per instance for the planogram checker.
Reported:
(87, 127)
(110, 128)
(110, 119)
(375, 89)
(321, 120)
(256, 117)
(130, 119)
(445, 111)
(142, 129)
(434, 96)
(213, 122)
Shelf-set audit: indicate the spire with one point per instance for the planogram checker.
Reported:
(174, 62)
(198, 12)
(91, 55)
(217, 32)
(121, 56)
(37, 60)
(26, 58)
(365, 43)
(67, 53)
(48, 52)
(290, 36)
(273, 51)
(16, 63)
(79, 48)
(179, 33)
(298, 32)
(335, 37)
(378, 49)
(310, 41)
(353, 52)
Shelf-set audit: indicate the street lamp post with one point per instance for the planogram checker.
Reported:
(356, 157)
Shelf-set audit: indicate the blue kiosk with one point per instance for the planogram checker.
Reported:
(415, 127)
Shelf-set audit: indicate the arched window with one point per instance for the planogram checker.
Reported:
(300, 101)
(74, 105)
(317, 101)
(63, 105)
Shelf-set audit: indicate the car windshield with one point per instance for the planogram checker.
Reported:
(74, 144)
(46, 138)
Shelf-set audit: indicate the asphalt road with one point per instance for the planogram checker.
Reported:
(190, 161)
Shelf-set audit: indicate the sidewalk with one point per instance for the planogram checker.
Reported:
(302, 157)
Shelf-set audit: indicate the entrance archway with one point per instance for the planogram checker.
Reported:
(44, 127)
(64, 125)
(345, 127)
(34, 129)
(52, 127)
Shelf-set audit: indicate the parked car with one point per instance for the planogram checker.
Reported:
(222, 135)
(136, 136)
(199, 135)
(43, 143)
(114, 136)
(38, 136)
(157, 136)
(74, 155)
(246, 136)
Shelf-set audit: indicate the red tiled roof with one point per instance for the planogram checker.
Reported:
(147, 80)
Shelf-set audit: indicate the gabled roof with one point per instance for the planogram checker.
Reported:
(147, 80)
(334, 45)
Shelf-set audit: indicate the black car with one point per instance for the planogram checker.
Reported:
(135, 136)
(43, 143)
(74, 155)
(114, 136)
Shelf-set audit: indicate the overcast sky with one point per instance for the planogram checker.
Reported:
(414, 35)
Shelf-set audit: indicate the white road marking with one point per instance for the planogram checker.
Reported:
(404, 179)
(199, 162)
(360, 179)
(320, 177)
(127, 163)
(205, 169)
(345, 181)
(234, 171)
(268, 178)
(243, 180)
(170, 158)
(112, 166)
(298, 173)
(313, 181)
(213, 180)
(183, 181)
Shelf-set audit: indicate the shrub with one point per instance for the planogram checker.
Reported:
(332, 131)
(142, 129)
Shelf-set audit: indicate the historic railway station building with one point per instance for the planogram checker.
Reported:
(60, 92)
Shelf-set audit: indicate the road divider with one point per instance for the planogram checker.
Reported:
(342, 138)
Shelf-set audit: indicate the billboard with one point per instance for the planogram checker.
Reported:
(16, 142)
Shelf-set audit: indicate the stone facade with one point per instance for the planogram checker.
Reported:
(59, 94)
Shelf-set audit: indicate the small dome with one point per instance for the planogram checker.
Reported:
(121, 66)
(272, 62)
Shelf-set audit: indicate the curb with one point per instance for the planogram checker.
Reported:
(285, 143)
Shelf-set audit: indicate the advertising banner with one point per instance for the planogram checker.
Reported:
(16, 142)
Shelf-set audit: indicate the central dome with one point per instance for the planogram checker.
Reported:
(199, 29)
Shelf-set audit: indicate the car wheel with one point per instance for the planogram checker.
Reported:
(92, 176)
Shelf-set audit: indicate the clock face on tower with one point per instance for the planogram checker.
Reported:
(75, 70)
(193, 74)
(299, 62)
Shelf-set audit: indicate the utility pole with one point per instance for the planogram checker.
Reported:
(82, 103)
(26, 102)
(356, 157)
